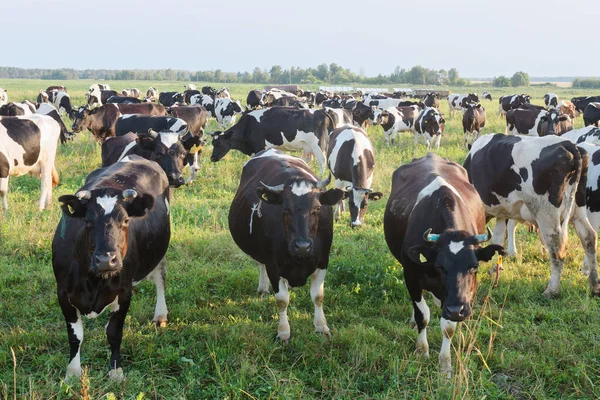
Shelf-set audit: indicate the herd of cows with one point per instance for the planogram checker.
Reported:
(115, 230)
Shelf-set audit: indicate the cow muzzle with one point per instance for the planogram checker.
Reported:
(456, 312)
(106, 263)
(176, 180)
(302, 248)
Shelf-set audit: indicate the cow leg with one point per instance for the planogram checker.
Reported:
(438, 139)
(46, 184)
(588, 237)
(420, 315)
(158, 276)
(75, 334)
(448, 329)
(555, 240)
(499, 231)
(282, 297)
(195, 167)
(263, 280)
(114, 335)
(320, 158)
(4, 192)
(511, 229)
(317, 284)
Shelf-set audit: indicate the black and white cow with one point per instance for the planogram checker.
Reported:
(341, 117)
(512, 102)
(537, 122)
(99, 97)
(589, 134)
(254, 99)
(581, 102)
(99, 86)
(223, 93)
(486, 95)
(151, 95)
(168, 99)
(49, 110)
(59, 99)
(131, 92)
(15, 109)
(551, 100)
(226, 110)
(209, 90)
(283, 219)
(320, 97)
(396, 119)
(384, 103)
(196, 118)
(460, 101)
(3, 96)
(429, 125)
(285, 128)
(434, 225)
(136, 123)
(187, 95)
(206, 101)
(591, 114)
(351, 160)
(114, 232)
(28, 145)
(431, 100)
(289, 102)
(362, 114)
(190, 86)
(473, 121)
(536, 180)
(123, 100)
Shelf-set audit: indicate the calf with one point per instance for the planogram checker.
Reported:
(132, 92)
(512, 102)
(433, 226)
(351, 160)
(136, 123)
(473, 121)
(283, 219)
(396, 119)
(460, 101)
(168, 99)
(551, 100)
(225, 111)
(486, 95)
(536, 180)
(114, 232)
(15, 109)
(536, 122)
(429, 125)
(591, 114)
(28, 145)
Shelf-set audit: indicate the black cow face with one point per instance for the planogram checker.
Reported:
(80, 119)
(551, 120)
(170, 156)
(106, 213)
(358, 200)
(221, 145)
(301, 203)
(454, 258)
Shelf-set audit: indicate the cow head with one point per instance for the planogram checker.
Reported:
(358, 199)
(380, 117)
(221, 144)
(300, 202)
(454, 257)
(81, 119)
(432, 122)
(106, 213)
(550, 123)
(168, 151)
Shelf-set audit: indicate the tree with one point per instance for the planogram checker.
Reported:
(453, 76)
(520, 79)
(501, 81)
(277, 74)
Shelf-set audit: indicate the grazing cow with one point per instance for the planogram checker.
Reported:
(114, 232)
(254, 99)
(285, 128)
(151, 95)
(567, 108)
(28, 145)
(396, 119)
(385, 103)
(512, 102)
(536, 180)
(340, 116)
(533, 122)
(131, 92)
(351, 160)
(362, 114)
(60, 100)
(551, 100)
(589, 134)
(460, 101)
(196, 118)
(473, 121)
(190, 86)
(591, 114)
(187, 95)
(123, 100)
(15, 109)
(430, 125)
(168, 99)
(136, 123)
(49, 110)
(486, 95)
(3, 96)
(431, 100)
(223, 93)
(206, 101)
(283, 219)
(101, 120)
(99, 97)
(581, 102)
(289, 102)
(225, 111)
(433, 224)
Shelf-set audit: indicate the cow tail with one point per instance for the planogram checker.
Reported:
(325, 140)
(580, 161)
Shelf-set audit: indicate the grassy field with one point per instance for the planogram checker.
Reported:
(220, 342)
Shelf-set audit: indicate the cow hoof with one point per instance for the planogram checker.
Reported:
(422, 351)
(284, 336)
(73, 375)
(324, 329)
(585, 271)
(160, 323)
(262, 292)
(550, 293)
(116, 375)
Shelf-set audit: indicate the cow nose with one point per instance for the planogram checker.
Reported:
(302, 247)
(456, 312)
(176, 180)
(105, 261)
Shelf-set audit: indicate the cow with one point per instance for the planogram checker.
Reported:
(460, 101)
(137, 123)
(351, 160)
(589, 134)
(168, 99)
(60, 100)
(283, 219)
(99, 97)
(3, 96)
(49, 110)
(486, 95)
(362, 114)
(320, 97)
(591, 114)
(99, 86)
(512, 102)
(551, 100)
(384, 103)
(430, 125)
(165, 148)
(396, 119)
(223, 93)
(254, 99)
(567, 108)
(114, 232)
(123, 100)
(275, 94)
(190, 86)
(289, 102)
(473, 121)
(151, 95)
(278, 127)
(431, 100)
(15, 109)
(196, 118)
(581, 102)
(340, 116)
(206, 101)
(28, 145)
(536, 180)
(131, 92)
(434, 224)
(333, 103)
(101, 121)
(209, 90)
(187, 95)
(61, 88)
(225, 111)
(537, 122)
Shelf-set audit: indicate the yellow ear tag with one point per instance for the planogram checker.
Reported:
(194, 149)
(422, 258)
(499, 261)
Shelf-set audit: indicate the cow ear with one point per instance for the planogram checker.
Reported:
(442, 121)
(269, 196)
(422, 255)
(192, 145)
(146, 143)
(486, 253)
(375, 196)
(72, 206)
(332, 196)
(136, 206)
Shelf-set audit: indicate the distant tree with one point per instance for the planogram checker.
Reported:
(520, 78)
(501, 81)
(452, 76)
(276, 74)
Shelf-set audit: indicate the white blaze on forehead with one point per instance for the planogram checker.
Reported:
(455, 247)
(107, 203)
(302, 187)
(437, 183)
(169, 138)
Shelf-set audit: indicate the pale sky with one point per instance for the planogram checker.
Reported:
(480, 38)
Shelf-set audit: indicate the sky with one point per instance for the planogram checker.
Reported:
(479, 38)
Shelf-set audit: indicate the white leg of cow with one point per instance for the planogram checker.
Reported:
(422, 344)
(74, 367)
(387, 135)
(320, 158)
(158, 276)
(4, 192)
(263, 280)
(46, 185)
(317, 289)
(588, 237)
(511, 229)
(555, 240)
(499, 232)
(438, 139)
(448, 328)
(282, 297)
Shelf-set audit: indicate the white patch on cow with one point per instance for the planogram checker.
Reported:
(167, 205)
(257, 114)
(126, 150)
(282, 297)
(107, 203)
(422, 344)
(317, 288)
(169, 138)
(589, 134)
(302, 187)
(448, 327)
(114, 306)
(179, 126)
(74, 367)
(437, 183)
(125, 159)
(125, 116)
(345, 136)
(455, 247)
(306, 141)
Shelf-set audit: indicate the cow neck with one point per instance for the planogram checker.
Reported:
(244, 142)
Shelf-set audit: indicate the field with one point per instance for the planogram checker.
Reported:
(220, 341)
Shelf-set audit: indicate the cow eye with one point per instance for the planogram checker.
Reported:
(125, 223)
(316, 210)
(171, 153)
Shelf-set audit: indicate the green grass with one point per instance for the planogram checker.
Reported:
(518, 345)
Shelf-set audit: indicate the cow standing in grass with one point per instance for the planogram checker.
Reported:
(430, 125)
(473, 121)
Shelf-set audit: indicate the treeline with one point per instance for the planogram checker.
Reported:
(322, 74)
(586, 83)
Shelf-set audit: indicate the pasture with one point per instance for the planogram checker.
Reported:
(220, 341)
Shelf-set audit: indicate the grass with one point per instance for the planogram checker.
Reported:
(220, 342)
